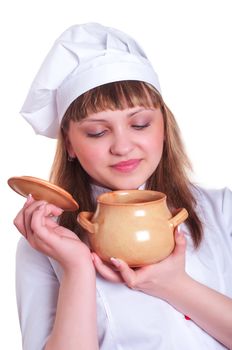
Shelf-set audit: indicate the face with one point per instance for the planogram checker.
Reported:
(118, 149)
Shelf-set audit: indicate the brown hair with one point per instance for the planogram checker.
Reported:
(171, 175)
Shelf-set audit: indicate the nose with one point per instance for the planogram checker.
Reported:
(121, 144)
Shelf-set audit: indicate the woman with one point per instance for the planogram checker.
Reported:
(97, 92)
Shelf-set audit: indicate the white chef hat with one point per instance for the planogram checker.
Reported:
(83, 57)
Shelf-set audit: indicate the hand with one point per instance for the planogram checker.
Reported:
(156, 279)
(36, 223)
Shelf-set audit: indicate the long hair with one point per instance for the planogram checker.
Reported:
(171, 175)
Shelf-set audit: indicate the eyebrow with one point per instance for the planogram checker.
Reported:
(129, 115)
(138, 111)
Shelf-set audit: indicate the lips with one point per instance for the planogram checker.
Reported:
(126, 166)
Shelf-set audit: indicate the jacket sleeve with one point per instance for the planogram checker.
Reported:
(37, 289)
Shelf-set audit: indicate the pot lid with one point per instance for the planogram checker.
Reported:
(43, 190)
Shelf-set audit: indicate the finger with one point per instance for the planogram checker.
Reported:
(63, 232)
(52, 210)
(129, 276)
(40, 223)
(27, 216)
(180, 241)
(104, 270)
(37, 243)
(49, 211)
(19, 219)
(31, 237)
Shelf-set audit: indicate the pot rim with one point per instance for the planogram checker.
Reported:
(101, 200)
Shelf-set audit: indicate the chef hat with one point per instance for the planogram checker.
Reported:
(83, 57)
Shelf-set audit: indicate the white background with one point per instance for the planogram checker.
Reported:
(189, 43)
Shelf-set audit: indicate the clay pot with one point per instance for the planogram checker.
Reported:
(134, 225)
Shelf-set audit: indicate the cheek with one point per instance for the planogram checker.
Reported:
(154, 143)
(88, 154)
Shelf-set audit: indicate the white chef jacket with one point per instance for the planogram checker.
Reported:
(129, 319)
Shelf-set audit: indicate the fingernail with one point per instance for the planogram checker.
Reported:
(29, 198)
(115, 261)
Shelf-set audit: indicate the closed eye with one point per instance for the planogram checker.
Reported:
(140, 127)
(98, 134)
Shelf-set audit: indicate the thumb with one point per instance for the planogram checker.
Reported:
(128, 275)
(180, 241)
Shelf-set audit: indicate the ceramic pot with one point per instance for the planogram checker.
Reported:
(134, 225)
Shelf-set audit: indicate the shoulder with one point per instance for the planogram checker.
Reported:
(32, 264)
(219, 199)
(216, 205)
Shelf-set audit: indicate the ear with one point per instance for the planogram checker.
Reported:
(69, 148)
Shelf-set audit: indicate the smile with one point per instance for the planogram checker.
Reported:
(127, 166)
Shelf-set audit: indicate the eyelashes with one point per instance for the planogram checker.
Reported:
(103, 132)
(140, 127)
(98, 134)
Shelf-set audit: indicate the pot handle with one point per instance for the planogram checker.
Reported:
(84, 220)
(180, 217)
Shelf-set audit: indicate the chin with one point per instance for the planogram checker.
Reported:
(126, 186)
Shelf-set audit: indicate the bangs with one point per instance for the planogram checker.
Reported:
(113, 96)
